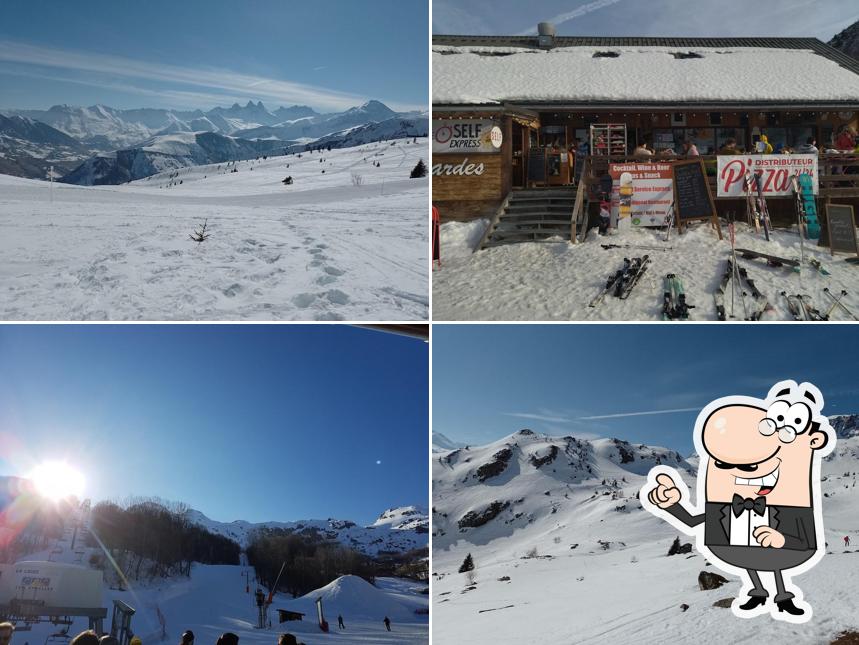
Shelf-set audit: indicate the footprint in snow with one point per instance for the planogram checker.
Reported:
(337, 297)
(304, 300)
(233, 290)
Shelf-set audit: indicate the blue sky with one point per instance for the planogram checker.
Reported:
(812, 18)
(329, 54)
(254, 422)
(595, 380)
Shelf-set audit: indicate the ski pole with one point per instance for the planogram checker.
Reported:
(835, 302)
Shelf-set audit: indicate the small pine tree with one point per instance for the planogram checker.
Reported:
(420, 170)
(467, 564)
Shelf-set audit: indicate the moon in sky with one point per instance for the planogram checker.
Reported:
(378, 462)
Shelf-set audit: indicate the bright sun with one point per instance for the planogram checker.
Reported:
(56, 480)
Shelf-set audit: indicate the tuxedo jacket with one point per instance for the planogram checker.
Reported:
(796, 523)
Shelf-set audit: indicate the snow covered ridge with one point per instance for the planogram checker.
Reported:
(109, 128)
(170, 152)
(546, 533)
(479, 489)
(472, 75)
(397, 530)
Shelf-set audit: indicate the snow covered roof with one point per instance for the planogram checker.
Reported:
(642, 71)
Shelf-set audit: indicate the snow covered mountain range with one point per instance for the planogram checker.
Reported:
(396, 530)
(555, 522)
(67, 133)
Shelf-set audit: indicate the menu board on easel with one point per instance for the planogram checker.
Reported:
(537, 165)
(693, 199)
(841, 229)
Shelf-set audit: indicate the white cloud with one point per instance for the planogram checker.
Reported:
(638, 414)
(218, 82)
(548, 418)
(578, 12)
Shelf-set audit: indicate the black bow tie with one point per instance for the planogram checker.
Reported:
(740, 504)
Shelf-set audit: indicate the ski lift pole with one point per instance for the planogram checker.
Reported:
(52, 184)
(272, 590)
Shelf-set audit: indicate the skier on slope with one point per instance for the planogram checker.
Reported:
(387, 622)
(340, 622)
(846, 540)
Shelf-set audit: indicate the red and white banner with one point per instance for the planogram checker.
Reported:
(775, 171)
(652, 192)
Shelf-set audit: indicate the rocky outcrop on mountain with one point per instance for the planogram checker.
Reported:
(847, 40)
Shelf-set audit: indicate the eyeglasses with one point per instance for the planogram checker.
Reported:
(786, 434)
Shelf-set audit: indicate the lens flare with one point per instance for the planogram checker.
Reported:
(57, 480)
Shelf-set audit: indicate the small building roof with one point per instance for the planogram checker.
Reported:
(629, 71)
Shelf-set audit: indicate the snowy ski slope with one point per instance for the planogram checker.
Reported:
(320, 249)
(587, 565)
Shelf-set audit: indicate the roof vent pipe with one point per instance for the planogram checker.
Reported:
(546, 35)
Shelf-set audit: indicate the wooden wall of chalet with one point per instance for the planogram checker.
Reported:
(468, 197)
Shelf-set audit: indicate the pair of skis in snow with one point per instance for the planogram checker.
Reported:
(775, 261)
(759, 300)
(622, 281)
(802, 308)
(674, 305)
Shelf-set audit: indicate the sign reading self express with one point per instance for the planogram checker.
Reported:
(465, 136)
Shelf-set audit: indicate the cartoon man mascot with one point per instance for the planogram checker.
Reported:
(759, 508)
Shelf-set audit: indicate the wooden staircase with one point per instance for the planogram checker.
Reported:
(533, 215)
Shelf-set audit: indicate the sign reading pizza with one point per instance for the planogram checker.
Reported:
(642, 191)
(466, 136)
(775, 172)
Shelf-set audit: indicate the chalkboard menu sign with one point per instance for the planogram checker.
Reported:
(537, 165)
(692, 196)
(842, 230)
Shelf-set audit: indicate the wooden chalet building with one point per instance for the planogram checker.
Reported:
(541, 113)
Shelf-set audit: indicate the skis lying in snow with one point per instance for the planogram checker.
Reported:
(637, 268)
(760, 300)
(609, 284)
(772, 260)
(802, 308)
(837, 303)
(621, 282)
(630, 246)
(794, 305)
(817, 265)
(674, 305)
(719, 295)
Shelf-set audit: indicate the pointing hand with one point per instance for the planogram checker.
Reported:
(665, 493)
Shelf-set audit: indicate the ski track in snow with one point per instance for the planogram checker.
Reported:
(556, 281)
(321, 249)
